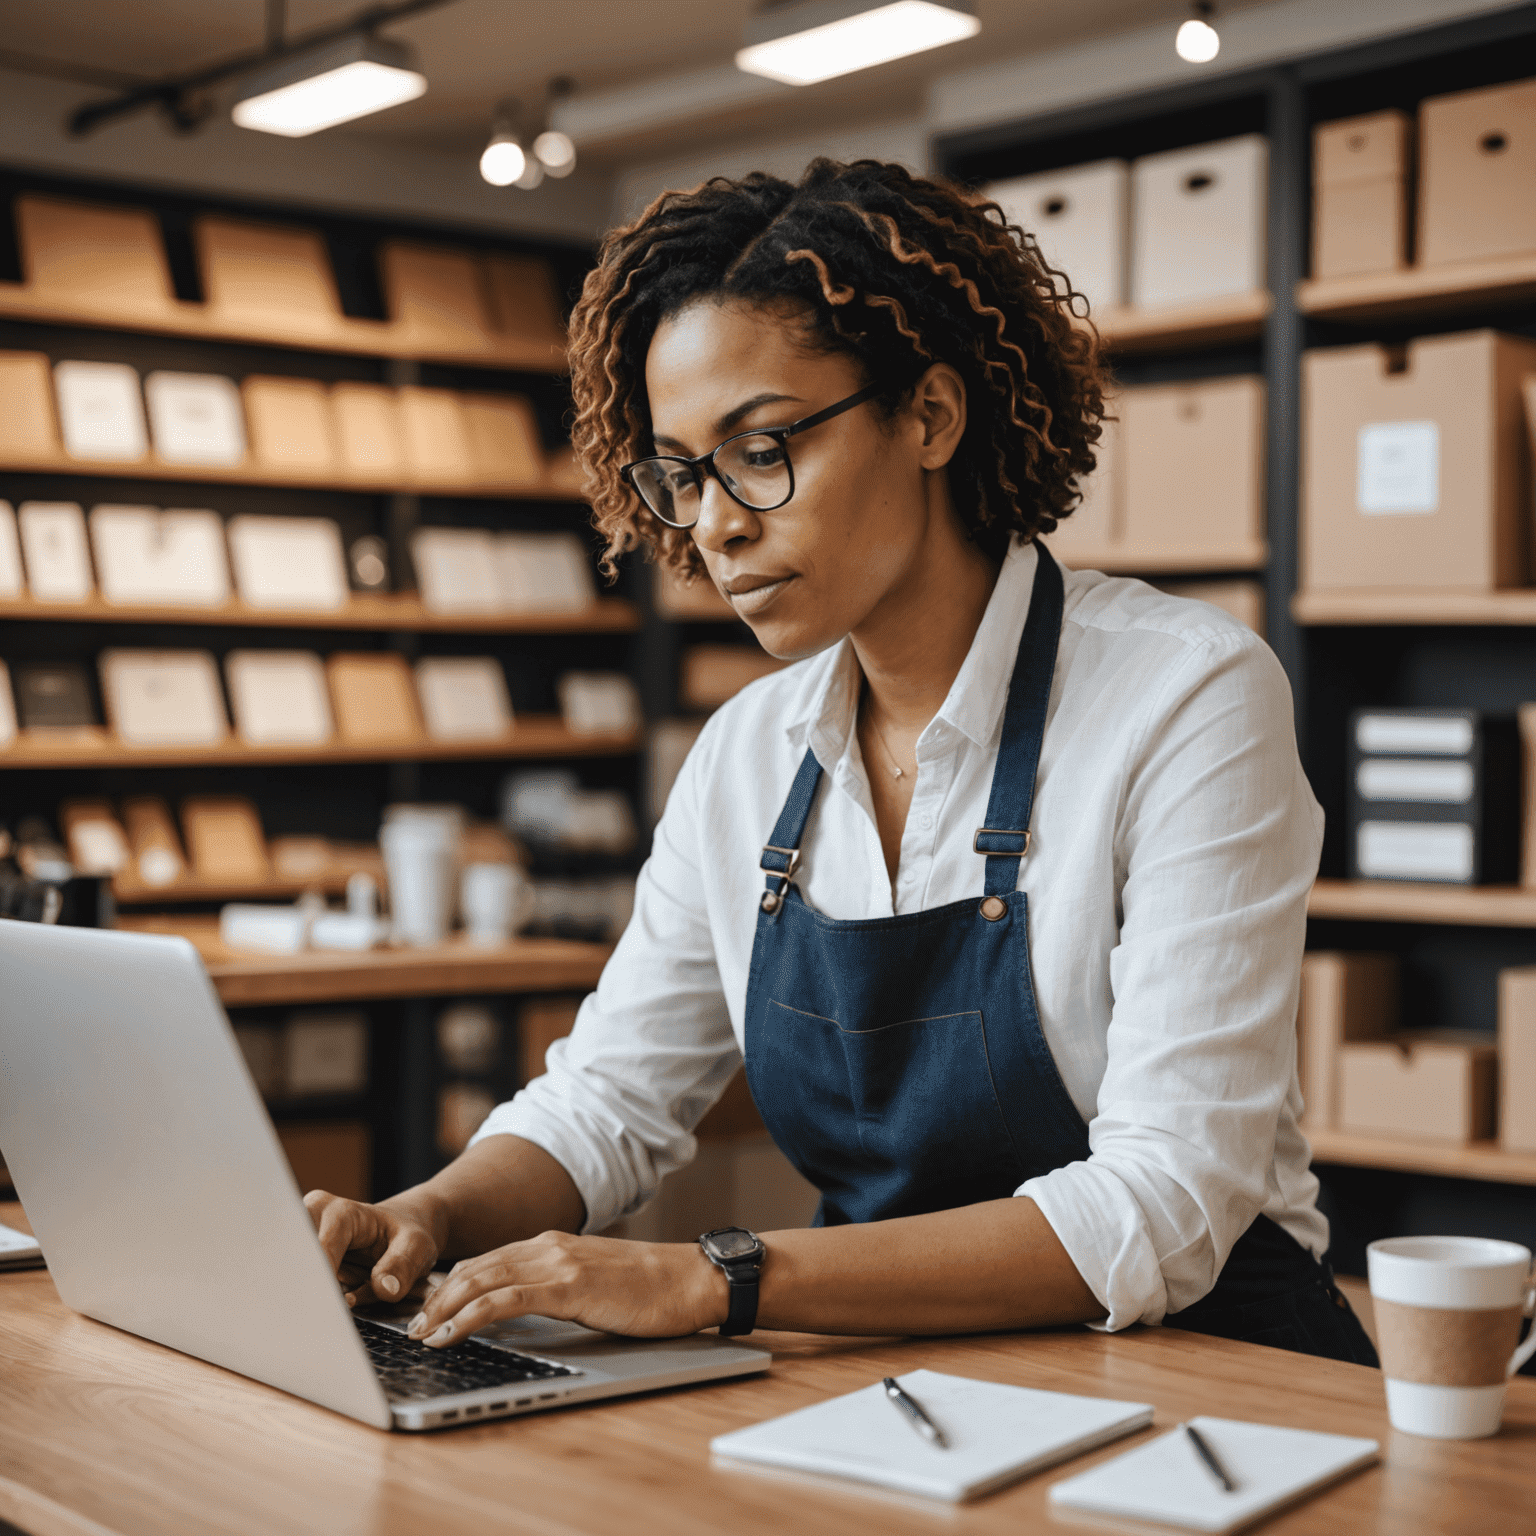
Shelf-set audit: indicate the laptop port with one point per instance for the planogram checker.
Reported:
(548, 1397)
(451, 1413)
(495, 1407)
(523, 1402)
(469, 1413)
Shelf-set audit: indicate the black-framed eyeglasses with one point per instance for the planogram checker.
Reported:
(754, 469)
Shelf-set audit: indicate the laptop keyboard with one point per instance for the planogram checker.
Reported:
(411, 1372)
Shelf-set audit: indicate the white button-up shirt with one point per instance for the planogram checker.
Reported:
(1175, 841)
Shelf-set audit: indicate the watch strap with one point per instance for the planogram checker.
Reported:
(743, 1281)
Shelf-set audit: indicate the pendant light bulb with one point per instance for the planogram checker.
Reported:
(503, 162)
(1197, 41)
(555, 152)
(533, 174)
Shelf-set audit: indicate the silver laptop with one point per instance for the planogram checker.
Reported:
(152, 1176)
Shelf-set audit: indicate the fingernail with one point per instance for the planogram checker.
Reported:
(417, 1325)
(351, 1299)
(389, 1285)
(442, 1335)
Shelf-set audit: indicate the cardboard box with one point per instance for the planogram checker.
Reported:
(95, 259)
(1360, 171)
(373, 697)
(1198, 220)
(524, 307)
(288, 562)
(1478, 174)
(436, 298)
(153, 840)
(335, 1158)
(28, 429)
(436, 436)
(368, 430)
(145, 555)
(1096, 525)
(1426, 1085)
(1192, 472)
(1081, 219)
(711, 674)
(163, 698)
(503, 436)
(279, 698)
(1418, 477)
(1344, 997)
(225, 839)
(266, 277)
(1517, 1059)
(290, 426)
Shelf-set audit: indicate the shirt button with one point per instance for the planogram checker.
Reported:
(925, 820)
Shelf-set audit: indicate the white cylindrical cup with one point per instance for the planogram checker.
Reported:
(1448, 1313)
(420, 860)
(494, 899)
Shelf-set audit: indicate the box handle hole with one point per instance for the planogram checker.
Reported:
(1493, 143)
(1054, 207)
(1357, 141)
(1198, 181)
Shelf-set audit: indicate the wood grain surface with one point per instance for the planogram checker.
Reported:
(104, 1432)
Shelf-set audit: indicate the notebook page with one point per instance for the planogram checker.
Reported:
(1165, 1482)
(996, 1433)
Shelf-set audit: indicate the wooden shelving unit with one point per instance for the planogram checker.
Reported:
(364, 338)
(1362, 608)
(1212, 322)
(1481, 1160)
(1420, 291)
(403, 612)
(1393, 901)
(457, 968)
(248, 473)
(533, 736)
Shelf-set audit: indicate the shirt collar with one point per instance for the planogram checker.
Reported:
(822, 714)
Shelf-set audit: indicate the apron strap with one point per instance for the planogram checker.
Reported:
(781, 858)
(1005, 838)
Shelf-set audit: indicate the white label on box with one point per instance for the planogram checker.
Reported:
(164, 698)
(144, 555)
(1441, 735)
(463, 698)
(1398, 468)
(456, 570)
(1414, 850)
(279, 697)
(1406, 778)
(10, 553)
(288, 562)
(100, 411)
(53, 541)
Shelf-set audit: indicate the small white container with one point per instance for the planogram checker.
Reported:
(496, 900)
(421, 853)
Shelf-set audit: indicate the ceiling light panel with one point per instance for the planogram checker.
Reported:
(800, 44)
(310, 90)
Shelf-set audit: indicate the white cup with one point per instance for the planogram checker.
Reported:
(1448, 1313)
(421, 859)
(495, 899)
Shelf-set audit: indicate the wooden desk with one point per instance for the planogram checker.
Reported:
(101, 1432)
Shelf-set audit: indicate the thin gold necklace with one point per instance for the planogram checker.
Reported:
(896, 769)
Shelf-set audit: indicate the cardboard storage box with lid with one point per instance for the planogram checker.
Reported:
(1360, 170)
(1517, 1059)
(1416, 468)
(1477, 183)
(1344, 997)
(1421, 1085)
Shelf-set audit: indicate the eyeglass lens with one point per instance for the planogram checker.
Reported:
(755, 469)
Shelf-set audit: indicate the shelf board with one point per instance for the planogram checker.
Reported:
(1181, 327)
(1480, 1160)
(247, 473)
(362, 338)
(395, 611)
(128, 891)
(1250, 556)
(1394, 901)
(244, 979)
(534, 736)
(1346, 606)
(1420, 290)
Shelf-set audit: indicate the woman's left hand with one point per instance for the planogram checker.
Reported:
(644, 1290)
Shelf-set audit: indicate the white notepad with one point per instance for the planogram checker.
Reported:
(288, 562)
(18, 1251)
(463, 698)
(543, 572)
(196, 418)
(279, 697)
(1165, 1482)
(456, 570)
(996, 1434)
(53, 542)
(101, 412)
(164, 698)
(144, 555)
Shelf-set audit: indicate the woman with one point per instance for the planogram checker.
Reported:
(1000, 892)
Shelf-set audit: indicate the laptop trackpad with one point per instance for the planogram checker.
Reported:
(539, 1333)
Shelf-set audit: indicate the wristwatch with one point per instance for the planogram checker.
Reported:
(739, 1255)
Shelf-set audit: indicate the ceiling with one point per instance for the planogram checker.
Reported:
(475, 52)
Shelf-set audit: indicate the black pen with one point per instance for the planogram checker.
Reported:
(913, 1410)
(1208, 1456)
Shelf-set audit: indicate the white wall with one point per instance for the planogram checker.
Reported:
(354, 173)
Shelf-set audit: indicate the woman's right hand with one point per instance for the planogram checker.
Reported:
(381, 1253)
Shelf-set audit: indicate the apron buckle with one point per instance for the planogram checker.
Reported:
(1015, 848)
(786, 862)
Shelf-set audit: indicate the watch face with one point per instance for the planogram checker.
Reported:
(733, 1243)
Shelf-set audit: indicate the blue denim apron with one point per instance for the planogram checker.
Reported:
(899, 1062)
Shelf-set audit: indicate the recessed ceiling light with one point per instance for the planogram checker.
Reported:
(312, 89)
(811, 40)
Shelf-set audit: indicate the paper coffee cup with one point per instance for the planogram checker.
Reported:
(421, 859)
(1448, 1313)
(494, 899)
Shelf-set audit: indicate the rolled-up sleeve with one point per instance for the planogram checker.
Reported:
(1217, 849)
(652, 1048)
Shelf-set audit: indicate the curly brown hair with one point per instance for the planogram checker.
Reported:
(893, 270)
